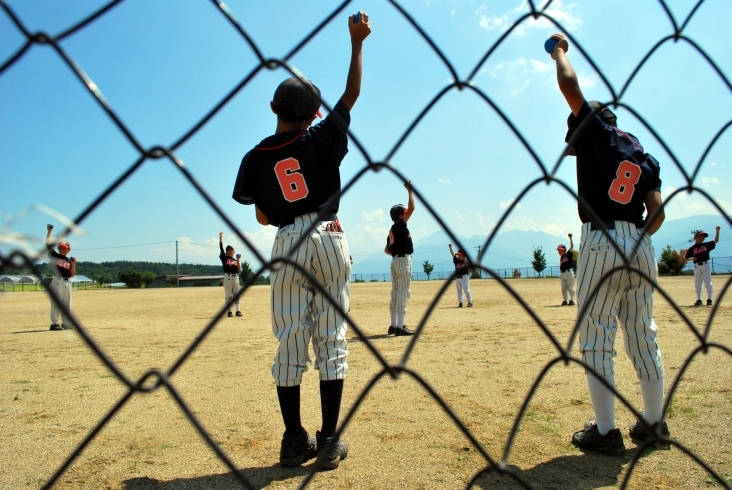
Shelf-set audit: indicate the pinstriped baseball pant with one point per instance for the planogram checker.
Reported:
(401, 279)
(567, 279)
(624, 297)
(703, 275)
(231, 287)
(463, 284)
(63, 291)
(301, 313)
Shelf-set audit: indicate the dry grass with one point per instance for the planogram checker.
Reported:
(482, 361)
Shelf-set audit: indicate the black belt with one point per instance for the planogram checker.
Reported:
(701, 263)
(230, 274)
(290, 221)
(609, 225)
(402, 255)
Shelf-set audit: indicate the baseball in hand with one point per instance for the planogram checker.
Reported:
(356, 16)
(238, 256)
(717, 228)
(569, 235)
(49, 226)
(549, 45)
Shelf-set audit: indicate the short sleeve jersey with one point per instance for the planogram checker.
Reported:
(60, 265)
(399, 240)
(296, 172)
(613, 172)
(565, 262)
(229, 263)
(462, 267)
(700, 251)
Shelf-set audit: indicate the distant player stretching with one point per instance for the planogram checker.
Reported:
(565, 271)
(699, 253)
(616, 179)
(462, 276)
(399, 246)
(63, 269)
(291, 177)
(232, 267)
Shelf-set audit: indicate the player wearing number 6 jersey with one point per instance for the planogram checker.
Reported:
(618, 181)
(293, 179)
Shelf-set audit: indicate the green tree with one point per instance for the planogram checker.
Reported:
(671, 262)
(100, 279)
(539, 261)
(246, 272)
(428, 268)
(132, 278)
(147, 278)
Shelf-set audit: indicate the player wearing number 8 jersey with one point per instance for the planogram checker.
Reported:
(618, 181)
(293, 179)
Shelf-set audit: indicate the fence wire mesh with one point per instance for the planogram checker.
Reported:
(156, 379)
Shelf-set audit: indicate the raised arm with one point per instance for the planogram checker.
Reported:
(221, 241)
(358, 31)
(716, 236)
(452, 254)
(49, 229)
(571, 244)
(654, 201)
(410, 203)
(566, 77)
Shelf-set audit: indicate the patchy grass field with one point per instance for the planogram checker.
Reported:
(482, 361)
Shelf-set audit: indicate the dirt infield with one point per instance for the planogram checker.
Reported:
(482, 361)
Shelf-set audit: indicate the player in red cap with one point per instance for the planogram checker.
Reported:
(63, 269)
(462, 276)
(699, 253)
(565, 271)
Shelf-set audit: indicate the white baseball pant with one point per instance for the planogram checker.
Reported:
(463, 283)
(231, 287)
(401, 279)
(624, 297)
(300, 312)
(567, 279)
(703, 275)
(62, 288)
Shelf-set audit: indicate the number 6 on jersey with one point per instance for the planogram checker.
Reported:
(291, 182)
(622, 188)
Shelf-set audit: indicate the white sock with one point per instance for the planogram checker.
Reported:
(400, 320)
(393, 318)
(603, 401)
(652, 391)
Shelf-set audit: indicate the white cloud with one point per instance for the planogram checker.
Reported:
(587, 81)
(713, 164)
(520, 72)
(562, 14)
(373, 223)
(507, 203)
(706, 181)
(445, 181)
(684, 204)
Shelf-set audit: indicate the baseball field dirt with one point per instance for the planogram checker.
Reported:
(481, 361)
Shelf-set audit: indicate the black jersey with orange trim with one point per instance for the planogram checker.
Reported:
(60, 264)
(296, 172)
(700, 251)
(613, 172)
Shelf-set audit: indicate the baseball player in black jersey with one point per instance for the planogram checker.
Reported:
(462, 276)
(63, 269)
(566, 275)
(618, 181)
(399, 246)
(699, 253)
(232, 267)
(293, 179)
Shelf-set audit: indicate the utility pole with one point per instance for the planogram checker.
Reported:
(480, 271)
(177, 276)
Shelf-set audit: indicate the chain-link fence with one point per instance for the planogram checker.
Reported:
(156, 379)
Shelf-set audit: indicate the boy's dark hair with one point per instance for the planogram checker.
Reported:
(229, 247)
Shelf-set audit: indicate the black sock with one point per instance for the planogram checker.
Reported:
(289, 397)
(331, 393)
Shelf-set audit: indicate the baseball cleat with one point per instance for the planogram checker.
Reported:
(391, 330)
(460, 305)
(564, 303)
(67, 326)
(641, 432)
(709, 302)
(403, 331)
(295, 450)
(331, 451)
(590, 439)
(470, 305)
(571, 303)
(238, 313)
(56, 326)
(230, 314)
(698, 302)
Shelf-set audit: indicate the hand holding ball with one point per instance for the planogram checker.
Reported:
(550, 44)
(356, 16)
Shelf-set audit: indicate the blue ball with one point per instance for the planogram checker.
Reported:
(355, 17)
(549, 45)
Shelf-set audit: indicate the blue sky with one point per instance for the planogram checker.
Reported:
(163, 65)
